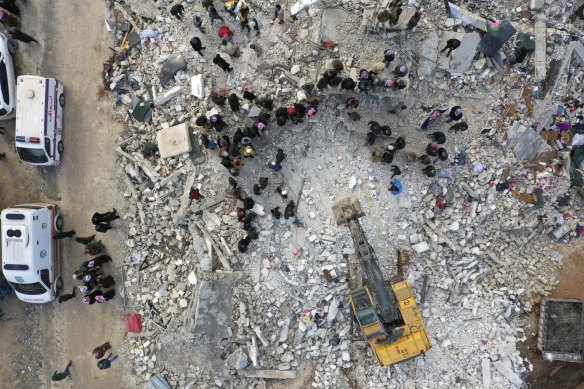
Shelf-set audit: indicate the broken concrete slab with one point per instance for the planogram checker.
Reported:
(171, 66)
(461, 58)
(198, 86)
(268, 374)
(467, 17)
(168, 95)
(174, 141)
(331, 19)
(508, 373)
(213, 315)
(526, 142)
(428, 57)
(540, 47)
(300, 5)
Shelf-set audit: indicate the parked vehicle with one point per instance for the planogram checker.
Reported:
(7, 81)
(30, 255)
(39, 120)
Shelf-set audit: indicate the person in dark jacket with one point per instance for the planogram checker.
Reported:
(61, 376)
(233, 101)
(290, 210)
(106, 362)
(97, 261)
(455, 113)
(15, 33)
(219, 61)
(103, 227)
(429, 171)
(243, 244)
(66, 297)
(438, 137)
(177, 11)
(197, 45)
(85, 240)
(106, 217)
(451, 44)
(198, 22)
(94, 248)
(63, 234)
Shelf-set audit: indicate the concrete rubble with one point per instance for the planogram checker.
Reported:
(481, 232)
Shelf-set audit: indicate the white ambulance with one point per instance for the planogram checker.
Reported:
(39, 120)
(30, 255)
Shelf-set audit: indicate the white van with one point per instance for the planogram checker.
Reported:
(39, 120)
(30, 255)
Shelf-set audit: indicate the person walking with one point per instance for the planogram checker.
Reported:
(100, 351)
(15, 33)
(279, 14)
(85, 240)
(61, 376)
(66, 297)
(106, 362)
(63, 234)
(451, 44)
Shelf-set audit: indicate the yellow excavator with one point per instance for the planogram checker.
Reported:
(386, 311)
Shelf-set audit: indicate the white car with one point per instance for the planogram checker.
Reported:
(30, 254)
(7, 81)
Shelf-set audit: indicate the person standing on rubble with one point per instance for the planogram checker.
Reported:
(455, 113)
(388, 57)
(451, 44)
(197, 45)
(279, 14)
(198, 22)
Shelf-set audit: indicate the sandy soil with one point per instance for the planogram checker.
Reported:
(38, 340)
(557, 374)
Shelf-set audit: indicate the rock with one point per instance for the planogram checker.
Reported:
(295, 69)
(237, 360)
(346, 356)
(421, 247)
(454, 226)
(352, 182)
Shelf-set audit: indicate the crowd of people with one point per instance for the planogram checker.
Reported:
(233, 150)
(93, 281)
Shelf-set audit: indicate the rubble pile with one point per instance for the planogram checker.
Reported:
(480, 233)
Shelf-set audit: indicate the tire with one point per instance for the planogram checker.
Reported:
(59, 222)
(60, 147)
(62, 100)
(59, 283)
(11, 49)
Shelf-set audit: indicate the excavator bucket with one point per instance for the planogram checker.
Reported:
(347, 209)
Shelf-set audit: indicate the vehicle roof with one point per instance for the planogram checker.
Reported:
(31, 97)
(21, 250)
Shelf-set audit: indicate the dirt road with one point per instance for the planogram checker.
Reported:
(38, 340)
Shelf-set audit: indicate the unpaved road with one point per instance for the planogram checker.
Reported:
(39, 339)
